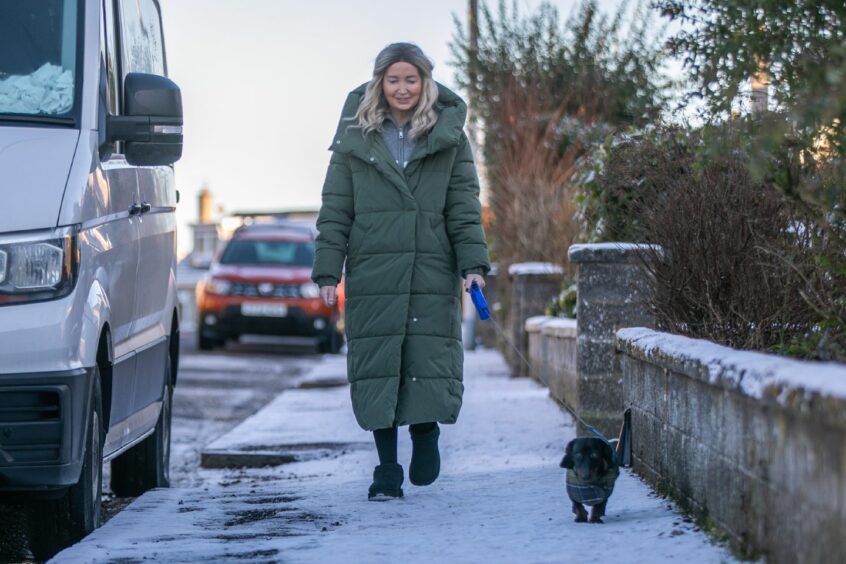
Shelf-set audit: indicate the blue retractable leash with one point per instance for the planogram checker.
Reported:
(623, 443)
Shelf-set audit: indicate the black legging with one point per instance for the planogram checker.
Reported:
(386, 441)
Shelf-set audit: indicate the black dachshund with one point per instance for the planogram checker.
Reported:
(591, 472)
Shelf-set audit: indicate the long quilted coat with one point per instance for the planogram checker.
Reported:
(408, 236)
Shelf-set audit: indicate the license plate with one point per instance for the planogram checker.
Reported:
(264, 310)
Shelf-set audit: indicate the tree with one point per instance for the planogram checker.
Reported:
(800, 146)
(802, 46)
(541, 89)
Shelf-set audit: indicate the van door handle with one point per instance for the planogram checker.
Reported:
(145, 207)
(135, 209)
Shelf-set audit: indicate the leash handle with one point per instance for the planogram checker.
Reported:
(479, 301)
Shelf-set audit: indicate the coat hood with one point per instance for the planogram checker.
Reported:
(452, 113)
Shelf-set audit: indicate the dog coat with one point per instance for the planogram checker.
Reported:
(591, 493)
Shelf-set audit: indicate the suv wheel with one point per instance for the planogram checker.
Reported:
(147, 464)
(208, 343)
(331, 343)
(57, 523)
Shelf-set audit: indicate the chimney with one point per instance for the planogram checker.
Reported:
(760, 83)
(205, 208)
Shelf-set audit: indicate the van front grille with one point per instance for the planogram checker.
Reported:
(30, 426)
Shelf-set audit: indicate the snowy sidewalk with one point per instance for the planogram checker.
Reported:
(500, 497)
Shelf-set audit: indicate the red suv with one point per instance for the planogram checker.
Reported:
(260, 283)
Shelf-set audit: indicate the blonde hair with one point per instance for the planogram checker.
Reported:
(374, 107)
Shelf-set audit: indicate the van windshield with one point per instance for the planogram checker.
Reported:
(38, 57)
(268, 253)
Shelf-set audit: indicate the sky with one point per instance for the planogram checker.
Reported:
(263, 82)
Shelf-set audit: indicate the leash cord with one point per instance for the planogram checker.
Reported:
(572, 412)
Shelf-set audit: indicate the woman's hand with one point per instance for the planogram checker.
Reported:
(469, 281)
(328, 295)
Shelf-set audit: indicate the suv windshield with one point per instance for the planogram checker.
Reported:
(270, 253)
(38, 57)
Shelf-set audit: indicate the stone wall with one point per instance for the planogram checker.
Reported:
(533, 285)
(754, 443)
(552, 354)
(561, 366)
(612, 289)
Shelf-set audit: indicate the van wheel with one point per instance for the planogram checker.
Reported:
(57, 523)
(147, 464)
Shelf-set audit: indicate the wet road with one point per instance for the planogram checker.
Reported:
(215, 391)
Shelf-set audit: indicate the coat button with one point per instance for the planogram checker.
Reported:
(414, 319)
(414, 379)
(372, 159)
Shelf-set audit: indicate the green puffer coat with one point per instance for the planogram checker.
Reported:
(408, 236)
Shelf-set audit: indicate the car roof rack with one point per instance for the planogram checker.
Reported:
(277, 225)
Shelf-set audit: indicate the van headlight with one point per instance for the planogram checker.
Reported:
(38, 270)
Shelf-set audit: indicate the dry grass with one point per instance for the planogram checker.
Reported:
(531, 196)
(740, 262)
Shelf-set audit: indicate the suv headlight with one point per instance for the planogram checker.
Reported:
(38, 270)
(310, 290)
(218, 286)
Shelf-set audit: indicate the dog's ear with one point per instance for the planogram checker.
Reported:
(567, 461)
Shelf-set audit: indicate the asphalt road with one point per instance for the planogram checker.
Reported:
(215, 391)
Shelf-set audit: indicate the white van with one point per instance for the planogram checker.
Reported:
(89, 335)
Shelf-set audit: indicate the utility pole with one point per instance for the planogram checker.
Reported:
(469, 311)
(472, 75)
(473, 93)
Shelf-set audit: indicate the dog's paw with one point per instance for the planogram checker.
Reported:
(581, 518)
(596, 520)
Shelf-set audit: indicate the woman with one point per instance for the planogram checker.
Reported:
(401, 205)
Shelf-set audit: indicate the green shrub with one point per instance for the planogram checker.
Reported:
(741, 263)
(564, 304)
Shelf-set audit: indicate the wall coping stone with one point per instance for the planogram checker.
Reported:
(807, 386)
(534, 324)
(607, 252)
(560, 327)
(531, 268)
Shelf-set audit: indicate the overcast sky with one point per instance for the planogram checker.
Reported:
(263, 82)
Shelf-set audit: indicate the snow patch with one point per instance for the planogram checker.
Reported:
(500, 498)
(534, 324)
(753, 373)
(608, 247)
(522, 268)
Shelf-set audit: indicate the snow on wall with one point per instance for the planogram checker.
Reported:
(757, 375)
(608, 247)
(560, 327)
(534, 268)
(47, 91)
(536, 322)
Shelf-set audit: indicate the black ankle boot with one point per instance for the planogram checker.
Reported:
(425, 458)
(387, 482)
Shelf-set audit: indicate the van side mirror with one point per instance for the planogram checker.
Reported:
(152, 122)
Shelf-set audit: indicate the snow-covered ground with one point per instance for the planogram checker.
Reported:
(500, 498)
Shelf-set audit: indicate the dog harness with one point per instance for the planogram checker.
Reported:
(591, 492)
